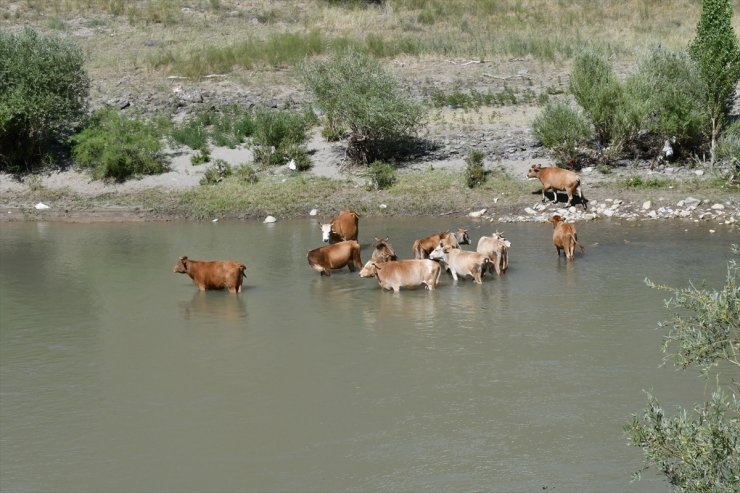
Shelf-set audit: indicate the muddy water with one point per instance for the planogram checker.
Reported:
(118, 375)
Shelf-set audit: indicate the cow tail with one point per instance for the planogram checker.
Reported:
(416, 249)
(575, 241)
(243, 268)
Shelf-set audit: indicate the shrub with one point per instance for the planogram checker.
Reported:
(43, 92)
(357, 94)
(115, 146)
(247, 174)
(475, 174)
(662, 100)
(382, 175)
(562, 129)
(200, 156)
(215, 174)
(728, 146)
(278, 135)
(595, 87)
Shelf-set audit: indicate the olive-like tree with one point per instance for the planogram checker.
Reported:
(699, 450)
(715, 49)
(43, 92)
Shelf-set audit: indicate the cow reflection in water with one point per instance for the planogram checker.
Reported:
(214, 305)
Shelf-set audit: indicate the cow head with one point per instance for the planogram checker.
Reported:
(383, 250)
(534, 171)
(461, 235)
(325, 232)
(500, 236)
(555, 220)
(181, 266)
(370, 269)
(440, 252)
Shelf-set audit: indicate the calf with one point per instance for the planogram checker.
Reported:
(461, 262)
(335, 256)
(423, 246)
(215, 274)
(403, 273)
(564, 237)
(341, 228)
(557, 179)
(496, 248)
(383, 251)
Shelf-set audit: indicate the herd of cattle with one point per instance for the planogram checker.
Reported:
(432, 254)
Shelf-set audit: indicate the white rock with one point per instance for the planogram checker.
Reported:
(477, 213)
(718, 207)
(291, 164)
(699, 172)
(270, 219)
(313, 212)
(653, 214)
(647, 205)
(712, 231)
(691, 202)
(214, 220)
(383, 206)
(529, 210)
(609, 212)
(41, 206)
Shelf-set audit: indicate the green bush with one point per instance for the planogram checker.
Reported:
(562, 129)
(117, 147)
(357, 94)
(728, 145)
(595, 87)
(43, 93)
(200, 156)
(663, 99)
(225, 127)
(278, 134)
(382, 175)
(475, 174)
(247, 174)
(215, 174)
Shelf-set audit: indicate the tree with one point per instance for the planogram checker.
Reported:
(43, 92)
(715, 49)
(356, 93)
(698, 451)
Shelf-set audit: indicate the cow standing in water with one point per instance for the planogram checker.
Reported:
(398, 274)
(424, 246)
(342, 228)
(336, 256)
(564, 237)
(217, 274)
(496, 248)
(383, 251)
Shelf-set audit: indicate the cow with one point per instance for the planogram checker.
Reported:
(335, 256)
(403, 273)
(557, 179)
(564, 237)
(423, 246)
(341, 228)
(217, 274)
(496, 248)
(461, 262)
(383, 251)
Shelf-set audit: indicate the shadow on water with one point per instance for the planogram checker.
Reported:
(214, 304)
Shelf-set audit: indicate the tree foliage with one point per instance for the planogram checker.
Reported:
(698, 451)
(717, 53)
(357, 94)
(562, 129)
(43, 91)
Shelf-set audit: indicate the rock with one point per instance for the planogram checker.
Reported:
(610, 212)
(383, 206)
(477, 213)
(718, 207)
(313, 212)
(699, 172)
(647, 205)
(270, 219)
(41, 206)
(530, 211)
(653, 214)
(691, 202)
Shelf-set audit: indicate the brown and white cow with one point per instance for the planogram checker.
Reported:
(341, 228)
(403, 273)
(557, 179)
(461, 262)
(383, 251)
(423, 246)
(496, 248)
(564, 237)
(217, 274)
(335, 256)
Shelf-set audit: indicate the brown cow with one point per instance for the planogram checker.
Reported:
(403, 273)
(557, 179)
(564, 237)
(423, 246)
(461, 262)
(215, 274)
(341, 228)
(383, 251)
(336, 256)
(496, 248)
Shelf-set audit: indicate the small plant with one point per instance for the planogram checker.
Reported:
(215, 174)
(382, 175)
(200, 156)
(278, 135)
(299, 155)
(246, 174)
(475, 174)
(117, 147)
(638, 182)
